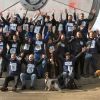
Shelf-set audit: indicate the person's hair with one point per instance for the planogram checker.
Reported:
(68, 53)
(82, 14)
(70, 15)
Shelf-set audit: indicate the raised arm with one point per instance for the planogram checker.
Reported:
(4, 20)
(66, 12)
(83, 50)
(75, 15)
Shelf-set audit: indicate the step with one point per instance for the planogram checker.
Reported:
(40, 85)
(86, 81)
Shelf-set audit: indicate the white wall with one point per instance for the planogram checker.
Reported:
(97, 23)
(50, 7)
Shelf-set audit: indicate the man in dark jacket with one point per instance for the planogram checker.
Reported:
(29, 73)
(92, 50)
(14, 71)
(83, 23)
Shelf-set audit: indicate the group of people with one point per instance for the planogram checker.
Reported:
(31, 47)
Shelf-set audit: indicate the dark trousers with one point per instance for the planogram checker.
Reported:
(60, 61)
(79, 66)
(11, 78)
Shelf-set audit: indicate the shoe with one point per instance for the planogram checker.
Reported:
(32, 88)
(23, 87)
(4, 89)
(86, 76)
(14, 89)
(0, 75)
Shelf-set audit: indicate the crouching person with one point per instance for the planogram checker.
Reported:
(14, 72)
(66, 79)
(29, 74)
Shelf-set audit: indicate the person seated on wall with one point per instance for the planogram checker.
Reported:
(28, 73)
(66, 79)
(13, 73)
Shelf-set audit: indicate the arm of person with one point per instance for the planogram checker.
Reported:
(46, 37)
(56, 41)
(70, 70)
(66, 12)
(4, 20)
(83, 50)
(74, 14)
(8, 16)
(72, 39)
(40, 61)
(23, 20)
(36, 16)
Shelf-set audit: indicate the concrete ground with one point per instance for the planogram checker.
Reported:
(87, 92)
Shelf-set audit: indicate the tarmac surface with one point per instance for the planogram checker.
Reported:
(87, 92)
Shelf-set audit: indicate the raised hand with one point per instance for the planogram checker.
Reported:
(84, 49)
(43, 56)
(66, 11)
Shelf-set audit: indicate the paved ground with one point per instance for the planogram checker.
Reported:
(88, 92)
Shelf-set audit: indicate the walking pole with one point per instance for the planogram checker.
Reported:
(26, 12)
(10, 7)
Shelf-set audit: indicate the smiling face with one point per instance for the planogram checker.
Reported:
(38, 36)
(91, 35)
(13, 56)
(82, 16)
(31, 57)
(79, 35)
(70, 18)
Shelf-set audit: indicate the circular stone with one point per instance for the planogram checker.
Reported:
(33, 5)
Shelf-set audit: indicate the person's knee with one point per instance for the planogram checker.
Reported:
(64, 73)
(33, 76)
(22, 75)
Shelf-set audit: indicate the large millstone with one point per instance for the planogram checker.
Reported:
(33, 5)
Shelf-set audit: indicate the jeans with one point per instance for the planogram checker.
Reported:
(90, 62)
(25, 76)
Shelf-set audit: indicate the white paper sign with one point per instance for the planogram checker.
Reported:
(13, 27)
(37, 29)
(13, 50)
(26, 47)
(30, 68)
(25, 27)
(93, 44)
(70, 27)
(13, 66)
(69, 63)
